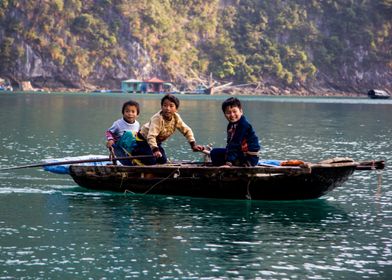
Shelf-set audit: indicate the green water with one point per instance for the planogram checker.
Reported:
(52, 229)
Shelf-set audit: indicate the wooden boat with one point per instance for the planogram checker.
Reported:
(305, 181)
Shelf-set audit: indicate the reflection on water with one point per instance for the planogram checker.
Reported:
(166, 236)
(51, 228)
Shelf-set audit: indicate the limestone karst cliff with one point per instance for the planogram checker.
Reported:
(308, 45)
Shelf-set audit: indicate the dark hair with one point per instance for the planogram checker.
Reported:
(131, 103)
(171, 98)
(231, 102)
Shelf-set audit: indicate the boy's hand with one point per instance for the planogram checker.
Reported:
(227, 164)
(197, 148)
(157, 154)
(109, 143)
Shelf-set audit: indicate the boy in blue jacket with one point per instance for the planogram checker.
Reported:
(243, 146)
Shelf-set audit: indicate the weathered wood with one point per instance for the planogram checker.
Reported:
(371, 165)
(221, 87)
(189, 168)
(266, 183)
(337, 164)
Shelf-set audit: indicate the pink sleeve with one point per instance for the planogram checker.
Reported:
(109, 135)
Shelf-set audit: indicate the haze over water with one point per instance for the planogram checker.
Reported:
(51, 228)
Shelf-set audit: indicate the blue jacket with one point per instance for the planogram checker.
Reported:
(241, 138)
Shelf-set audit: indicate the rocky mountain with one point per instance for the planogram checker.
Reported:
(290, 46)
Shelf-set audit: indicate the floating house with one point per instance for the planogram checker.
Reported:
(131, 85)
(378, 94)
(153, 85)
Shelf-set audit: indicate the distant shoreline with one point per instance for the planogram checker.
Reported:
(241, 92)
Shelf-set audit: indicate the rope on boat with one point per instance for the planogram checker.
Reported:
(122, 180)
(128, 191)
(248, 196)
(175, 173)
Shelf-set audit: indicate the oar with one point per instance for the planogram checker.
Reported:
(72, 162)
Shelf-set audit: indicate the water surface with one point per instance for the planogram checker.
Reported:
(51, 228)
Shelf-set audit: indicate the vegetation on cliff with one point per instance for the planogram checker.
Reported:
(341, 44)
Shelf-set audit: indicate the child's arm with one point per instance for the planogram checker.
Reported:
(155, 128)
(110, 139)
(188, 133)
(111, 135)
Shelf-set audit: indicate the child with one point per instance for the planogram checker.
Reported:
(242, 143)
(160, 127)
(120, 135)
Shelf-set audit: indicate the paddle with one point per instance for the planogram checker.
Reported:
(72, 162)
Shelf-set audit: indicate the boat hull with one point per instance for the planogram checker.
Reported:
(258, 183)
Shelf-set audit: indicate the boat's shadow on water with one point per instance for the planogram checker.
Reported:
(286, 213)
(186, 209)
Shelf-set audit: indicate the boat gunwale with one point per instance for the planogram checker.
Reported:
(204, 169)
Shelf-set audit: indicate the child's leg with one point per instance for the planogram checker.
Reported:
(162, 159)
(218, 156)
(119, 152)
(251, 160)
(143, 149)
